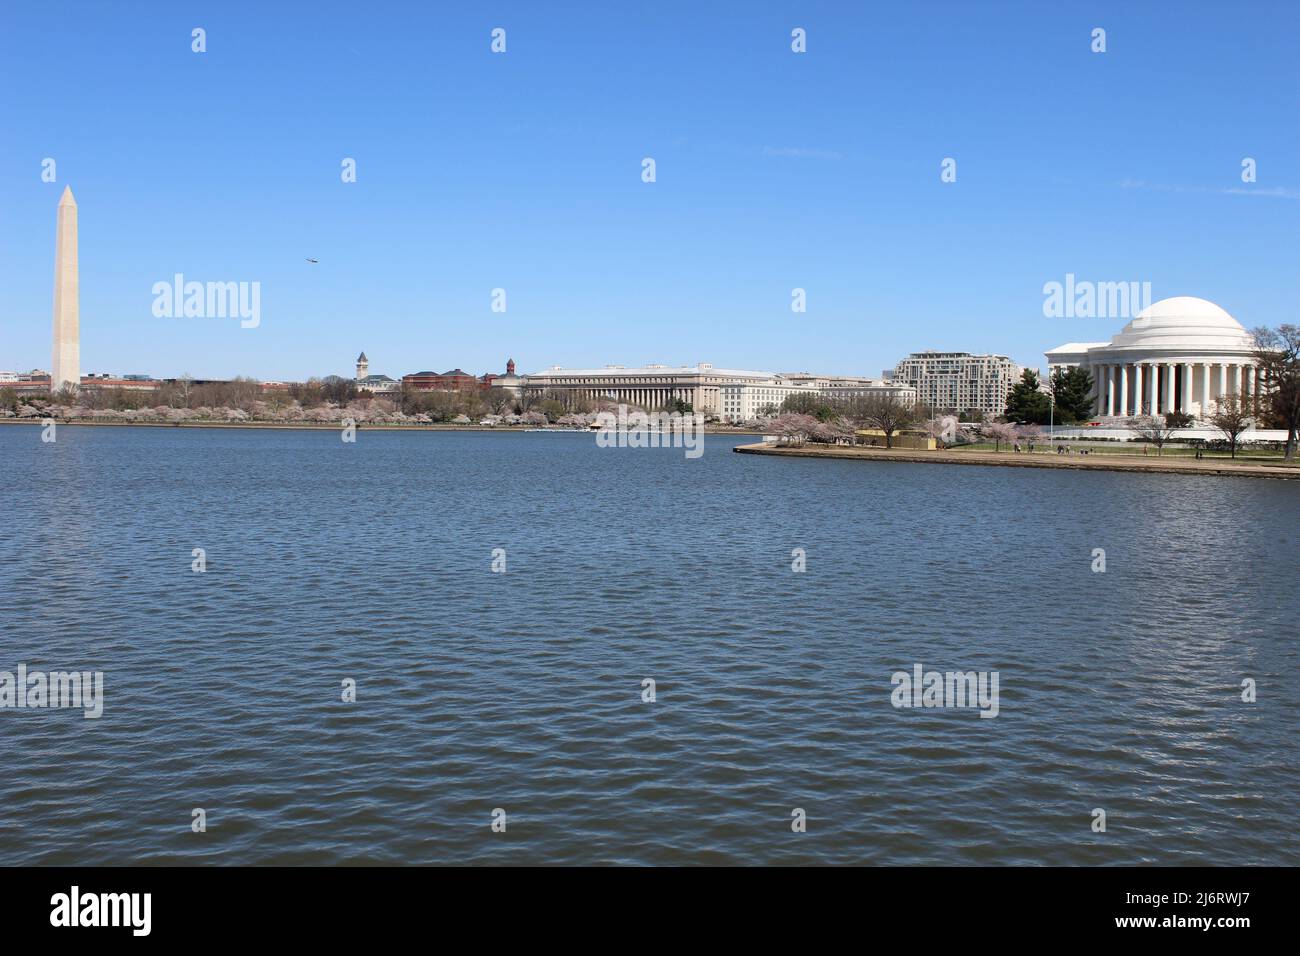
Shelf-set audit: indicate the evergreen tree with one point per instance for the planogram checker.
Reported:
(1027, 403)
(1072, 389)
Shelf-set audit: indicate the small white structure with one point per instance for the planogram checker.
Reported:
(1179, 354)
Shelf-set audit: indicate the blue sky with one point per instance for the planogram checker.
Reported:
(522, 171)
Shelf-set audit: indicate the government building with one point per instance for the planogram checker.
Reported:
(732, 395)
(652, 387)
(1178, 355)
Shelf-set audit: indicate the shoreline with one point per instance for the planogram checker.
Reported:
(1022, 460)
(334, 426)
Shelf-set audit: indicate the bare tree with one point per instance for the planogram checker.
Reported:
(1278, 355)
(277, 401)
(95, 399)
(1232, 417)
(66, 395)
(888, 413)
(1153, 430)
(242, 392)
(472, 403)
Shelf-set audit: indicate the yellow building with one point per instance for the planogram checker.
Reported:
(908, 438)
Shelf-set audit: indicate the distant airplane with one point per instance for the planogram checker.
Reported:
(313, 260)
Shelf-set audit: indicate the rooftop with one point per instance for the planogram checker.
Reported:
(623, 371)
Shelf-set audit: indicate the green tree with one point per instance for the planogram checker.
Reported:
(1027, 402)
(1073, 391)
(809, 404)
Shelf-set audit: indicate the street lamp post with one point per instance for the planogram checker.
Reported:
(1051, 410)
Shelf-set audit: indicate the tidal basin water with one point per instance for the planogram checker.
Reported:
(522, 691)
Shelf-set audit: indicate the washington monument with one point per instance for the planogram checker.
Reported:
(66, 369)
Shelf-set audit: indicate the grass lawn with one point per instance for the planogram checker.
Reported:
(1128, 448)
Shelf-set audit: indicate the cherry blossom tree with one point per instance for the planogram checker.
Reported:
(792, 427)
(998, 432)
(1029, 433)
(833, 432)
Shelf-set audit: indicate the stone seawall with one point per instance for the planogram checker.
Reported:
(1010, 459)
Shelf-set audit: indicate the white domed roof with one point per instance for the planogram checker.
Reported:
(1183, 322)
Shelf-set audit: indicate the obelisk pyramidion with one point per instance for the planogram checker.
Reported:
(66, 369)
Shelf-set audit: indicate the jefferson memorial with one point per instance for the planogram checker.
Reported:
(1179, 354)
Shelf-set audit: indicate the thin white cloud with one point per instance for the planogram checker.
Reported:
(1274, 192)
(1271, 192)
(800, 152)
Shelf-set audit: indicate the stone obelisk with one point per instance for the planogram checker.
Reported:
(66, 369)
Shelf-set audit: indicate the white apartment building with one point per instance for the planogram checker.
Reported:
(956, 381)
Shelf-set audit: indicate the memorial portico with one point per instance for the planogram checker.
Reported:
(1181, 354)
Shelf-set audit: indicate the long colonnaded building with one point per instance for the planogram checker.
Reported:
(652, 387)
(732, 395)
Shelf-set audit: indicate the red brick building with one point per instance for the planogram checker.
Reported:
(454, 381)
(488, 379)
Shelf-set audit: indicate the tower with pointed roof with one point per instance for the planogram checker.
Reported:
(66, 367)
(363, 367)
